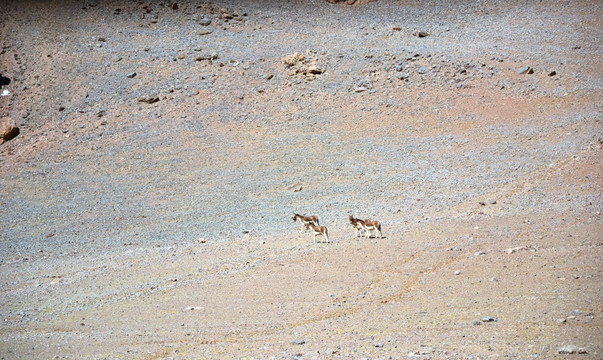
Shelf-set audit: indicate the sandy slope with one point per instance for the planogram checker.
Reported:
(162, 229)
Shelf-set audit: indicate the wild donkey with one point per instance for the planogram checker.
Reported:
(318, 230)
(366, 225)
(306, 220)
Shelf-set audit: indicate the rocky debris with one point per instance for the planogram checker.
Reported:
(8, 129)
(489, 319)
(525, 70)
(208, 57)
(227, 14)
(131, 75)
(299, 64)
(552, 73)
(298, 342)
(293, 59)
(571, 349)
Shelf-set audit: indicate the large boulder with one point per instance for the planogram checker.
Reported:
(8, 129)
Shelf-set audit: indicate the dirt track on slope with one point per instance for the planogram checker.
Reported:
(147, 201)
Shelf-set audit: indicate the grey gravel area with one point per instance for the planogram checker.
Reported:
(153, 175)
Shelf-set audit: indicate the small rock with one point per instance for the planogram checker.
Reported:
(268, 76)
(8, 129)
(379, 345)
(552, 73)
(298, 342)
(313, 69)
(489, 319)
(571, 349)
(149, 99)
(561, 321)
(212, 56)
(360, 89)
(422, 70)
(457, 273)
(131, 75)
(525, 70)
(396, 28)
(421, 34)
(204, 32)
(516, 249)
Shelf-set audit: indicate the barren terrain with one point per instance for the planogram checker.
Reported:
(163, 148)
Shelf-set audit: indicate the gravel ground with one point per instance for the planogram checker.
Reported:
(160, 160)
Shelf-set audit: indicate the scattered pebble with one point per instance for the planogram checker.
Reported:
(489, 319)
(519, 248)
(298, 342)
(421, 34)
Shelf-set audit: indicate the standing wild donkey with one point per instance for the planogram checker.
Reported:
(318, 230)
(313, 219)
(366, 225)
